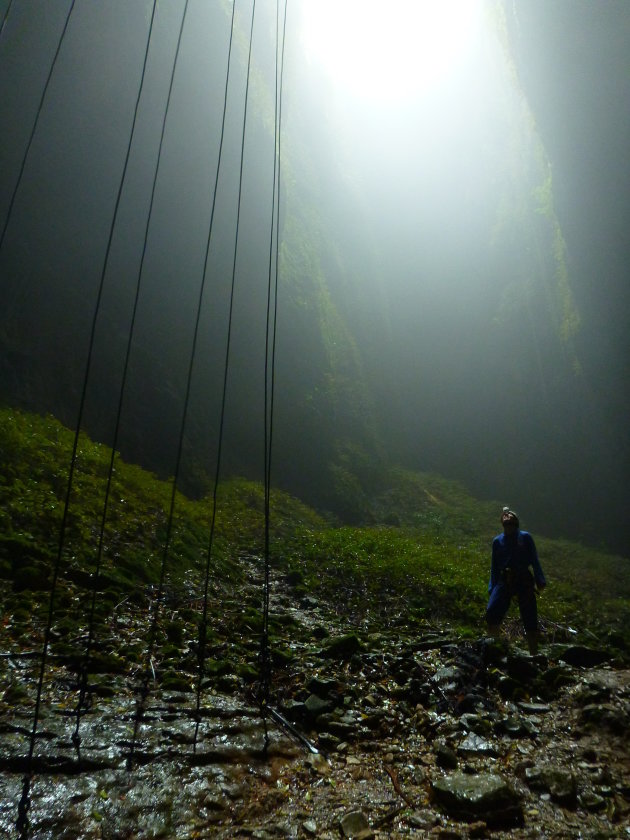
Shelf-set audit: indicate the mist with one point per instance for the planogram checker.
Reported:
(452, 273)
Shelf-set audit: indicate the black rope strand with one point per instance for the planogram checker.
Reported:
(84, 668)
(35, 121)
(265, 659)
(204, 620)
(277, 251)
(203, 624)
(153, 626)
(22, 823)
(6, 15)
(265, 653)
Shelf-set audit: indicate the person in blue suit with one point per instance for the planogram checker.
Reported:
(515, 572)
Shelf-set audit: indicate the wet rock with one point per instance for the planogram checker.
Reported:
(509, 688)
(445, 756)
(515, 727)
(343, 729)
(232, 791)
(228, 683)
(177, 682)
(605, 715)
(580, 655)
(310, 827)
(318, 764)
(534, 708)
(424, 820)
(431, 642)
(280, 658)
(521, 667)
(354, 825)
(493, 651)
(215, 803)
(476, 745)
(327, 741)
(309, 603)
(482, 796)
(342, 647)
(556, 677)
(374, 719)
(447, 674)
(316, 706)
(344, 726)
(319, 631)
(402, 667)
(559, 782)
(321, 687)
(476, 723)
(295, 710)
(414, 691)
(593, 692)
(591, 801)
(273, 831)
(469, 701)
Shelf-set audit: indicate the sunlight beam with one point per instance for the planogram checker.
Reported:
(387, 49)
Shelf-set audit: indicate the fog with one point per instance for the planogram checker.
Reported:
(453, 255)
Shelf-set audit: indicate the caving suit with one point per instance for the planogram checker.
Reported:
(512, 557)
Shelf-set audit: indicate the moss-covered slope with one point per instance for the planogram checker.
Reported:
(425, 558)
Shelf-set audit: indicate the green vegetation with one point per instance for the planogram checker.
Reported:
(423, 559)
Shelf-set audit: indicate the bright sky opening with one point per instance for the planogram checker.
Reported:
(388, 49)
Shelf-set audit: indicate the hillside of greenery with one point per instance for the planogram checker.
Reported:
(422, 559)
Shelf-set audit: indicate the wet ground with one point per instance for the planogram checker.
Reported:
(373, 725)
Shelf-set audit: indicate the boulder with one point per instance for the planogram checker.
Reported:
(482, 796)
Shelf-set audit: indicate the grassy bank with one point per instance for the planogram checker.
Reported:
(423, 558)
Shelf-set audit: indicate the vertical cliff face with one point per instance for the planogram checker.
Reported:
(120, 322)
(435, 233)
(572, 63)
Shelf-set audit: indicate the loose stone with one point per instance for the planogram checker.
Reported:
(354, 826)
(483, 796)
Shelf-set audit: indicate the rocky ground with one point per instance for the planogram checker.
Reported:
(374, 730)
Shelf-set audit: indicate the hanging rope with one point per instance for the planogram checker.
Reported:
(22, 823)
(36, 120)
(203, 623)
(270, 352)
(84, 668)
(144, 685)
(6, 15)
(201, 654)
